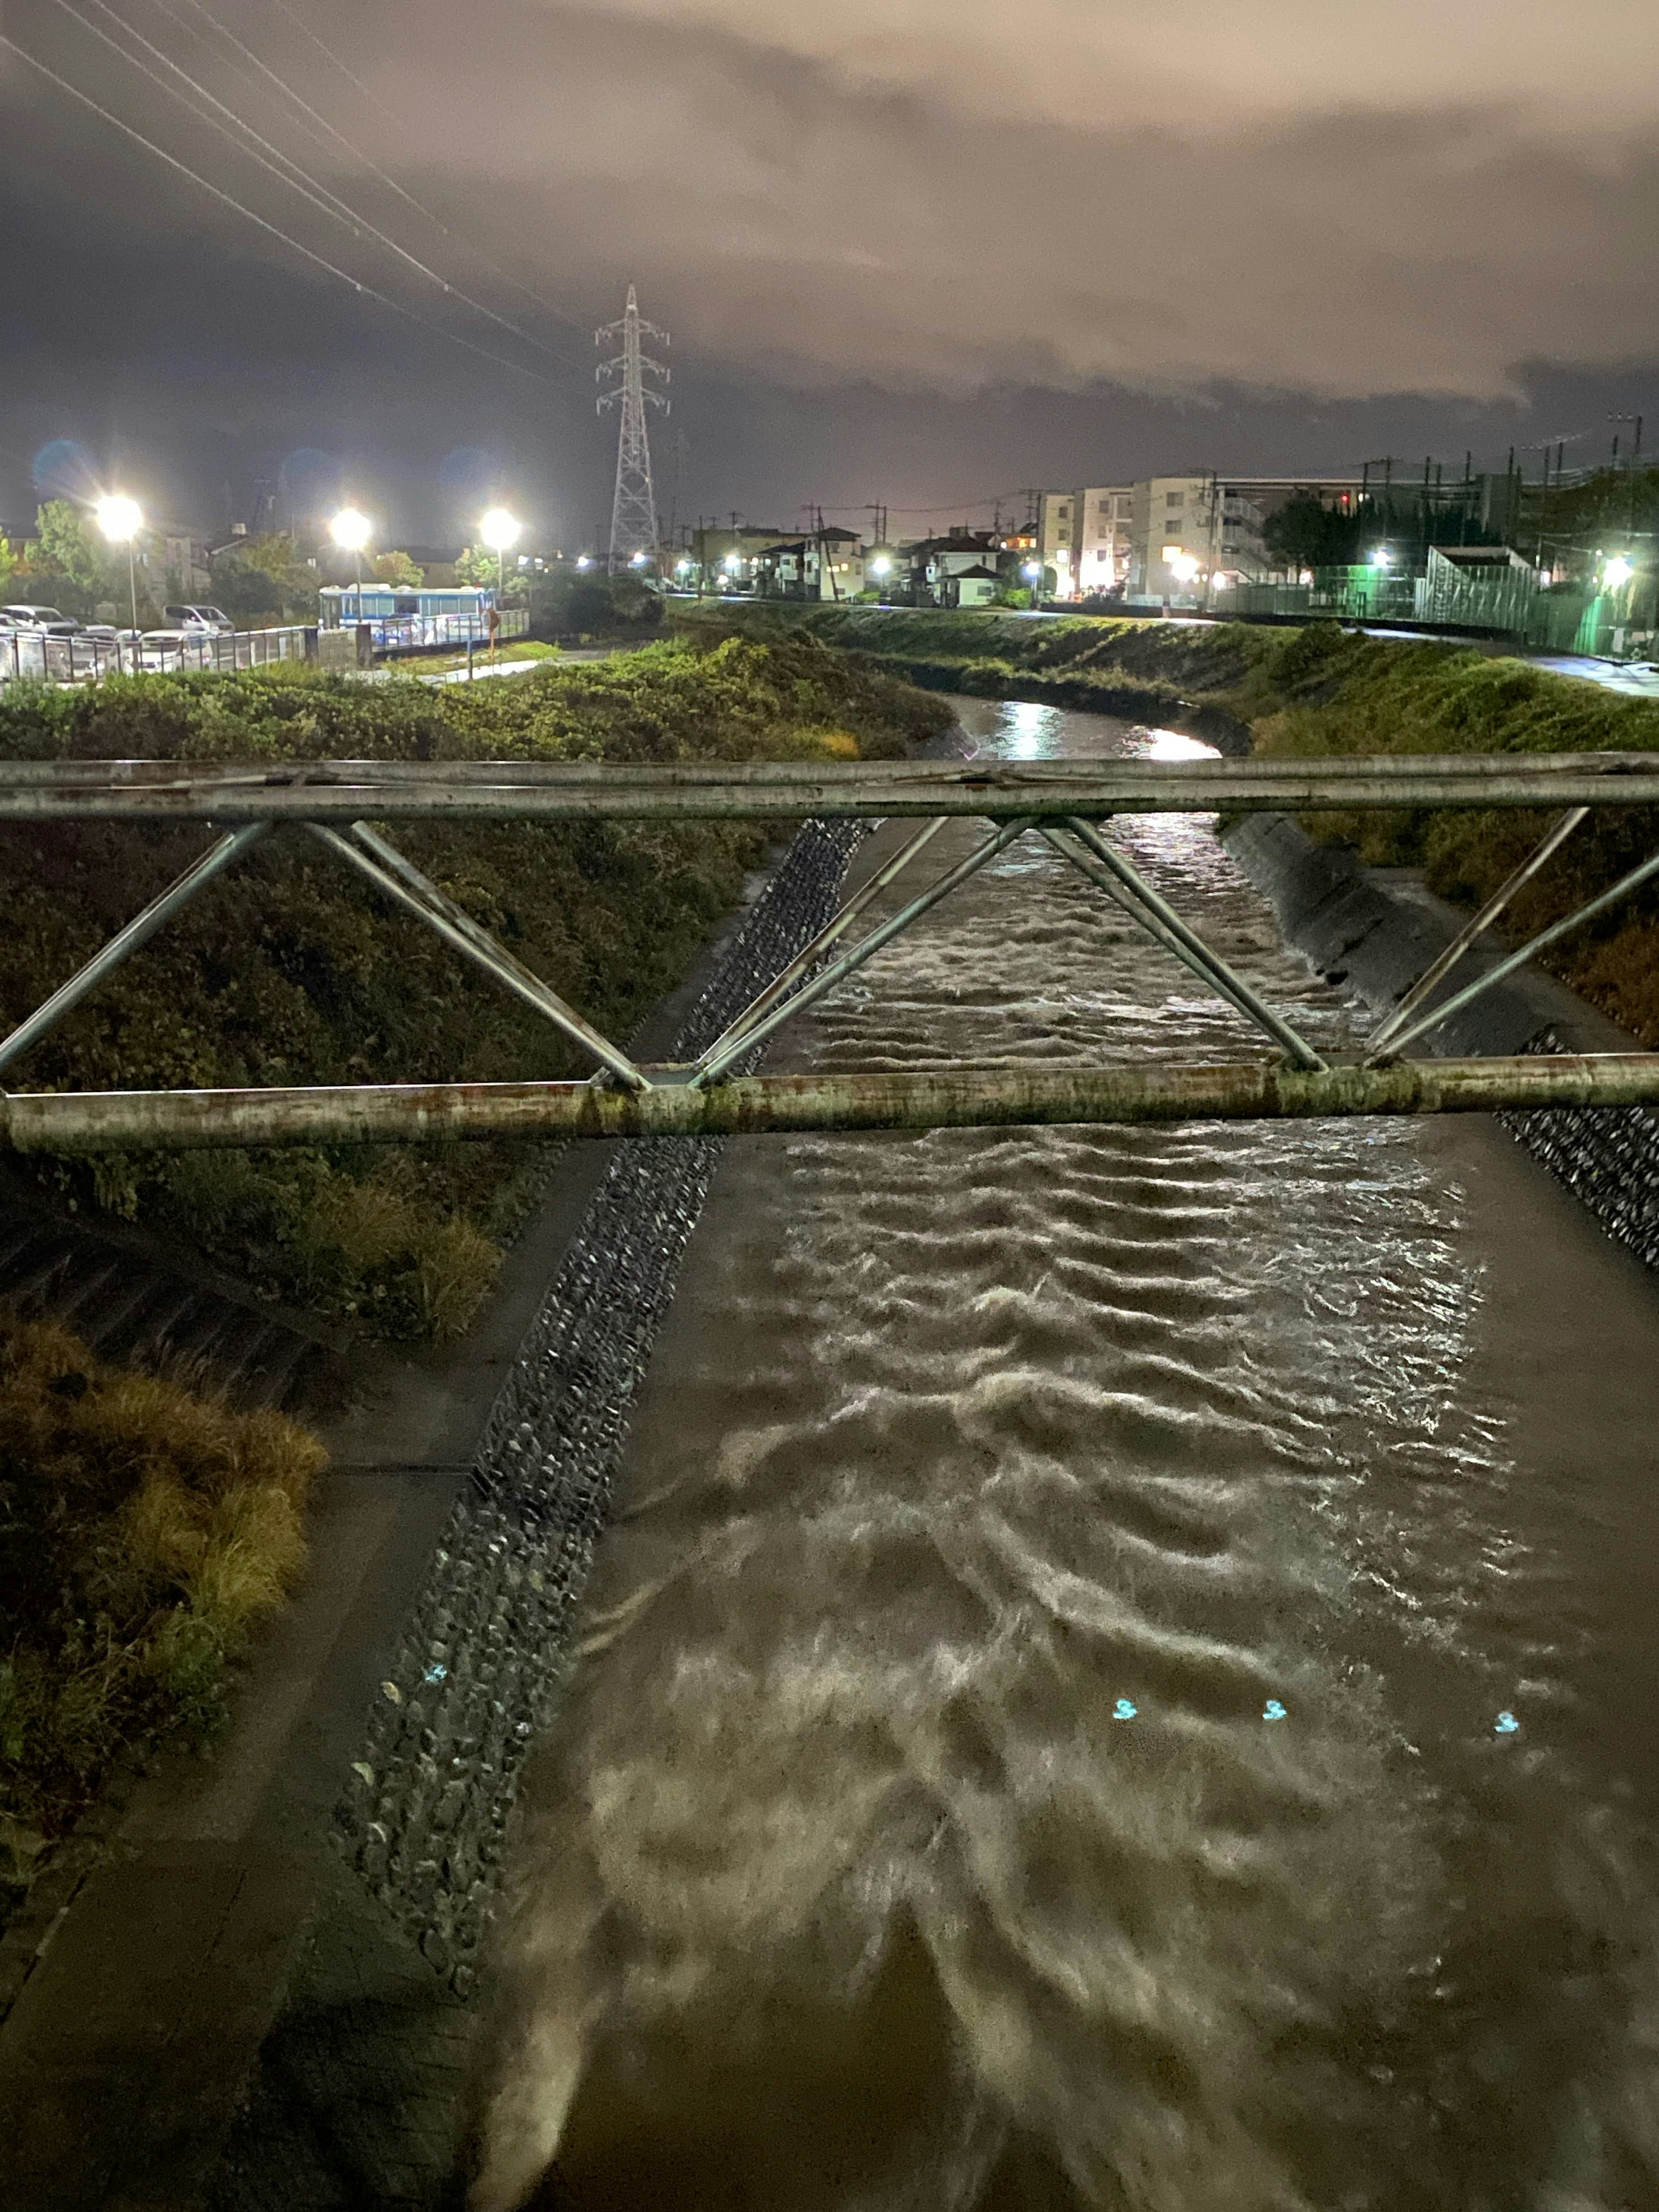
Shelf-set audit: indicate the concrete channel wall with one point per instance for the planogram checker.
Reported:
(1378, 929)
(425, 1813)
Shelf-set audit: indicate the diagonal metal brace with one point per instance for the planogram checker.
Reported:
(1223, 979)
(1380, 1044)
(828, 978)
(178, 894)
(1066, 844)
(387, 869)
(804, 962)
(1493, 976)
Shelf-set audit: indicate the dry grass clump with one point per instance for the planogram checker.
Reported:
(143, 1533)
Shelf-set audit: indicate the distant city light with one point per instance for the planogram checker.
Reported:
(637, 561)
(1618, 573)
(682, 568)
(584, 561)
(350, 531)
(500, 530)
(120, 518)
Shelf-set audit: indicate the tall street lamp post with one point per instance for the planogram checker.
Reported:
(351, 531)
(499, 529)
(121, 519)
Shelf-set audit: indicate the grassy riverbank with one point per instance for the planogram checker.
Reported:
(288, 969)
(143, 1532)
(1322, 690)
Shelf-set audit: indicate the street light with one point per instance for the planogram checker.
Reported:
(1617, 573)
(121, 519)
(351, 531)
(881, 566)
(500, 530)
(1380, 558)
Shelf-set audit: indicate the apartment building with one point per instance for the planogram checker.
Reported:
(1192, 537)
(1102, 516)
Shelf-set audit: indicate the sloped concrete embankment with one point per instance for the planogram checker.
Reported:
(426, 1814)
(1378, 929)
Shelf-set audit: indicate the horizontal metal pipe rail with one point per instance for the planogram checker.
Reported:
(994, 1095)
(149, 791)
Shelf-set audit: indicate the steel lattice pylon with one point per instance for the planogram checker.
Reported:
(634, 510)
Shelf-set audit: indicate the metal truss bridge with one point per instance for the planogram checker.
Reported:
(1068, 804)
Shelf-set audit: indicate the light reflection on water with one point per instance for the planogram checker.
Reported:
(1042, 1737)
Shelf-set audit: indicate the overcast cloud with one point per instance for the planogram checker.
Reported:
(1018, 208)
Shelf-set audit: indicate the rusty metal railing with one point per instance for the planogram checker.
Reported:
(1070, 804)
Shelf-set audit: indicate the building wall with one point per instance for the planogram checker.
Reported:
(1102, 536)
(1056, 527)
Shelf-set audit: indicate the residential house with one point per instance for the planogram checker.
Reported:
(828, 564)
(941, 568)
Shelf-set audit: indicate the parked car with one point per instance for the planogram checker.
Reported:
(213, 619)
(43, 621)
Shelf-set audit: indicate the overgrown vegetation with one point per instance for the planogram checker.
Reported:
(1319, 690)
(143, 1532)
(289, 969)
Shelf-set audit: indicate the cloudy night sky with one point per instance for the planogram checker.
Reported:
(921, 251)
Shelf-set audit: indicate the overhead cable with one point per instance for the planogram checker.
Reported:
(356, 82)
(300, 181)
(318, 260)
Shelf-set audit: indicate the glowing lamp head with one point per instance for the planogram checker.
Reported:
(120, 518)
(499, 531)
(1031, 569)
(1183, 568)
(1380, 558)
(584, 561)
(1617, 573)
(637, 561)
(881, 566)
(350, 531)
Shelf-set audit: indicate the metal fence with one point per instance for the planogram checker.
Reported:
(1068, 805)
(35, 656)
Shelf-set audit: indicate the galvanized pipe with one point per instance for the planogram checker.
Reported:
(802, 965)
(178, 894)
(996, 790)
(997, 1097)
(386, 868)
(1482, 984)
(827, 979)
(1300, 1052)
(1460, 945)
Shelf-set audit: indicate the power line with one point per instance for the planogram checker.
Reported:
(307, 185)
(356, 82)
(320, 261)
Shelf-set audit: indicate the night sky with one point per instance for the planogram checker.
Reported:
(921, 251)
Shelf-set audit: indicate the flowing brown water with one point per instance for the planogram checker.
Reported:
(1124, 1672)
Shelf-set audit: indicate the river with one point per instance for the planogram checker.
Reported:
(1124, 1670)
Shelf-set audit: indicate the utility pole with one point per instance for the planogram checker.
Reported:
(634, 507)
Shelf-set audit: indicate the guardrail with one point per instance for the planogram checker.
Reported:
(1068, 804)
(38, 657)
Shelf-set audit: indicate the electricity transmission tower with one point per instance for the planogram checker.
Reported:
(634, 510)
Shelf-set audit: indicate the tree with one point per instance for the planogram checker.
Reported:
(397, 570)
(1303, 534)
(7, 559)
(66, 546)
(265, 575)
(478, 565)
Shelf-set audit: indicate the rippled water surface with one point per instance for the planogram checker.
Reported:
(1124, 1674)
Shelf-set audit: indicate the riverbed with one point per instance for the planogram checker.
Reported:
(1123, 1671)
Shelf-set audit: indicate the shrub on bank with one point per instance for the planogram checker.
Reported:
(289, 969)
(143, 1533)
